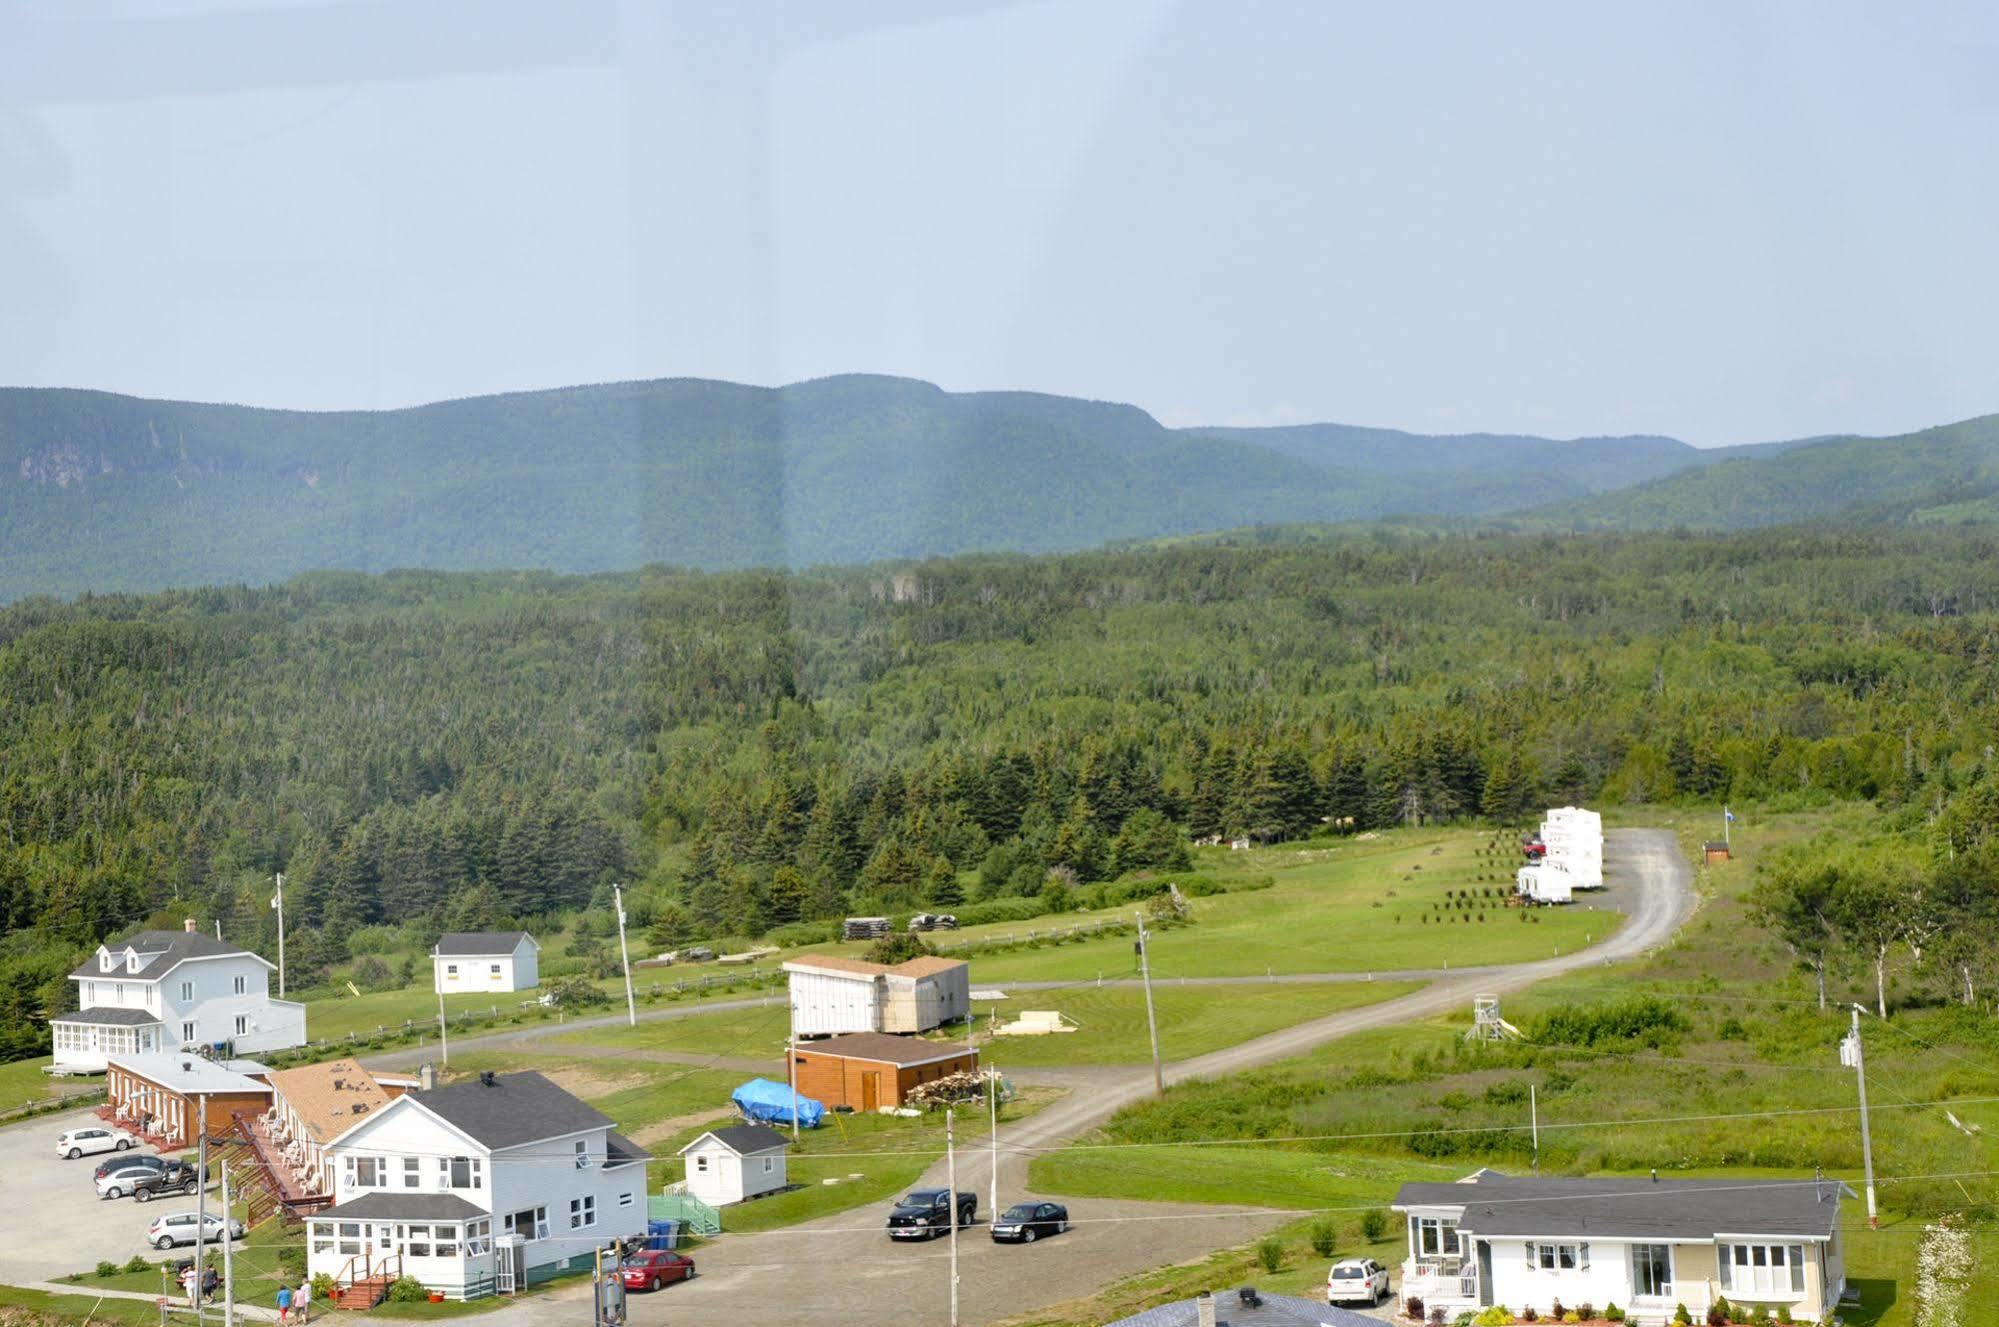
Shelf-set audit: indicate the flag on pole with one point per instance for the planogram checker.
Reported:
(1727, 814)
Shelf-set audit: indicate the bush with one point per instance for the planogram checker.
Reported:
(1784, 1315)
(1612, 1313)
(1412, 1308)
(1496, 1316)
(105, 1268)
(1555, 1310)
(1437, 1316)
(1572, 1316)
(1325, 1238)
(322, 1288)
(1373, 1225)
(1585, 1310)
(1530, 1314)
(1646, 1018)
(897, 947)
(1719, 1312)
(408, 1290)
(1270, 1252)
(575, 993)
(138, 1263)
(1681, 1316)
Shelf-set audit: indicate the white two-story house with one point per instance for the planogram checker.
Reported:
(1647, 1245)
(156, 991)
(490, 1184)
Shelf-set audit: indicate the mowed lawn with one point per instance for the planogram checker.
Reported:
(757, 1033)
(371, 1012)
(1193, 1020)
(22, 1082)
(1356, 905)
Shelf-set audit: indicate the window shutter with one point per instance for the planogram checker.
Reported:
(1583, 1257)
(1531, 1264)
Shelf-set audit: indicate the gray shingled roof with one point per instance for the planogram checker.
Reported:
(622, 1151)
(885, 1048)
(478, 944)
(1511, 1206)
(1230, 1311)
(403, 1207)
(744, 1139)
(105, 1016)
(171, 949)
(514, 1109)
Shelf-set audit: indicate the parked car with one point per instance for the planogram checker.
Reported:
(1023, 1223)
(93, 1138)
(933, 921)
(921, 1213)
(649, 1269)
(120, 1180)
(179, 1227)
(175, 1177)
(125, 1163)
(1356, 1279)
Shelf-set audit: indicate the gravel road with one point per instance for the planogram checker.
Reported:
(841, 1271)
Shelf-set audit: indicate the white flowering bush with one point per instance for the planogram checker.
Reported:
(1943, 1274)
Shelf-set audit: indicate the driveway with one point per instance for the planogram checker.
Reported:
(841, 1271)
(57, 1224)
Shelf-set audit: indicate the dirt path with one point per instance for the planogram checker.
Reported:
(849, 1275)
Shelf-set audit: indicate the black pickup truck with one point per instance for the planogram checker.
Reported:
(922, 1213)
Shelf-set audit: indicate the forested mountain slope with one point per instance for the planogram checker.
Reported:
(104, 492)
(753, 748)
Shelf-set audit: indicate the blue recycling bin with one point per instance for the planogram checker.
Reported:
(662, 1234)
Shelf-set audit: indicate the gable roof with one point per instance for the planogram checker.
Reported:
(884, 1048)
(508, 1110)
(923, 965)
(742, 1139)
(1501, 1206)
(1230, 1311)
(169, 949)
(327, 1111)
(480, 944)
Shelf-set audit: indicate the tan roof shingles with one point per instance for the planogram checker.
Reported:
(926, 965)
(326, 1112)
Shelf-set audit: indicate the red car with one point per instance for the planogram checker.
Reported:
(649, 1269)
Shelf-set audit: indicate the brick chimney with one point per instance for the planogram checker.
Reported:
(189, 924)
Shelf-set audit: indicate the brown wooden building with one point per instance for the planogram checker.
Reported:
(1716, 852)
(871, 1070)
(160, 1095)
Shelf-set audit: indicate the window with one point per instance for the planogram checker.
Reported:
(240, 983)
(419, 1241)
(496, 969)
(366, 1172)
(701, 1164)
(624, 1200)
(462, 1172)
(187, 990)
(1558, 1257)
(1651, 1269)
(583, 1212)
(770, 1164)
(350, 1238)
(450, 969)
(528, 1225)
(412, 1173)
(1433, 1236)
(479, 1237)
(1763, 1269)
(118, 992)
(447, 1241)
(242, 1024)
(322, 1237)
(582, 1155)
(187, 1031)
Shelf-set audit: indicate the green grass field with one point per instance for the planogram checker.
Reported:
(1354, 905)
(758, 1032)
(23, 1083)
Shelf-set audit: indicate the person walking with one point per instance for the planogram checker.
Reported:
(302, 1301)
(284, 1305)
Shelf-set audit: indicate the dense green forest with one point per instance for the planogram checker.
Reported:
(752, 749)
(105, 492)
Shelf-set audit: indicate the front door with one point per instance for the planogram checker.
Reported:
(1484, 1274)
(1651, 1270)
(871, 1091)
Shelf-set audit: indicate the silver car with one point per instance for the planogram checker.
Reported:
(122, 1179)
(179, 1228)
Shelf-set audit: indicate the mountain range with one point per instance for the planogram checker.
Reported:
(102, 492)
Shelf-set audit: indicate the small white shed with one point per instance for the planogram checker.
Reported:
(485, 961)
(728, 1165)
(1545, 884)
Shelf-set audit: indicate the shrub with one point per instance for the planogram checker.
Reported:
(1585, 1310)
(1761, 1316)
(1572, 1316)
(1556, 1311)
(1717, 1314)
(138, 1264)
(1646, 1018)
(1530, 1314)
(1325, 1238)
(1612, 1313)
(1681, 1316)
(1270, 1252)
(408, 1290)
(1437, 1316)
(1464, 1319)
(1784, 1315)
(1373, 1225)
(322, 1287)
(575, 993)
(1496, 1316)
(105, 1268)
(1412, 1308)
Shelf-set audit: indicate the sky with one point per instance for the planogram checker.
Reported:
(1723, 222)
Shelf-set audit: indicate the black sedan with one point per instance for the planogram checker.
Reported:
(1023, 1223)
(125, 1161)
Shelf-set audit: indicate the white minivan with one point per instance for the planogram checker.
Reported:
(93, 1138)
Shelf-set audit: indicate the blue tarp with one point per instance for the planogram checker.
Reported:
(766, 1102)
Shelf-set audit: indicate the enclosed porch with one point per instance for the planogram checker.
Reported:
(438, 1239)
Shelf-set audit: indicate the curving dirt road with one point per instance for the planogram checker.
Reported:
(842, 1272)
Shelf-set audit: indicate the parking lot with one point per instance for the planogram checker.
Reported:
(56, 1223)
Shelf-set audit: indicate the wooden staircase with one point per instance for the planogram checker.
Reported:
(363, 1294)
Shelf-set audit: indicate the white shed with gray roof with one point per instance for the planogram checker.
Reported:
(484, 961)
(729, 1165)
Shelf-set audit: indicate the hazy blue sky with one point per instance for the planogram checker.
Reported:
(1728, 222)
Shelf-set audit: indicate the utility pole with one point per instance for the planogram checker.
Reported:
(201, 1202)
(1534, 1122)
(631, 1005)
(228, 1263)
(791, 1058)
(1851, 1055)
(992, 1098)
(951, 1185)
(1151, 1025)
(278, 902)
(443, 1032)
